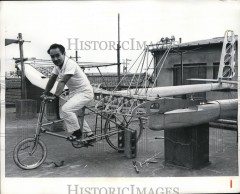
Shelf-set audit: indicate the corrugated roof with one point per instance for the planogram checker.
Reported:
(216, 40)
(112, 80)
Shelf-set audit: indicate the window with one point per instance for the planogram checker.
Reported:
(215, 70)
(193, 70)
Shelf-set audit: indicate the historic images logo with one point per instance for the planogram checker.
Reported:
(131, 189)
(131, 44)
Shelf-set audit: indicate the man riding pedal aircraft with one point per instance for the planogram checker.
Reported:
(80, 90)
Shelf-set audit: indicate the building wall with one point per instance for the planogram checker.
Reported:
(13, 91)
(201, 54)
(11, 96)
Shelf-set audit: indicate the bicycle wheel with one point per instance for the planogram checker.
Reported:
(25, 157)
(113, 130)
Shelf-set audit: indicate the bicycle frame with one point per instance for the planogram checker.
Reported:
(40, 126)
(32, 151)
(77, 143)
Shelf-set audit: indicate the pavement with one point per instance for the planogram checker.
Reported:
(103, 161)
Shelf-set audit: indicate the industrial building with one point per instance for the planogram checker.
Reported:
(198, 59)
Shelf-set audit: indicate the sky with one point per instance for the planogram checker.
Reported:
(64, 22)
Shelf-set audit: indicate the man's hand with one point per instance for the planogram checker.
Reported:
(43, 95)
(56, 96)
(49, 98)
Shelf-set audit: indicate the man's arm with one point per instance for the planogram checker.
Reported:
(50, 84)
(62, 83)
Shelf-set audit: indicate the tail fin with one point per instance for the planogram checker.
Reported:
(228, 57)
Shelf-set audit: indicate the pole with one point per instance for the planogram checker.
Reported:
(127, 63)
(118, 51)
(23, 77)
(181, 68)
(76, 56)
(124, 66)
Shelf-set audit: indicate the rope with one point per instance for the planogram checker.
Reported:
(143, 57)
(146, 79)
(141, 70)
(165, 56)
(127, 71)
(136, 71)
(143, 54)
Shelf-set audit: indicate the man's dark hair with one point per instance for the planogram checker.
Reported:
(54, 46)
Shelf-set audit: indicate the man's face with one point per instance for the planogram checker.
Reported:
(57, 57)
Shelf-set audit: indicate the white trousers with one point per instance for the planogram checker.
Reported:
(72, 108)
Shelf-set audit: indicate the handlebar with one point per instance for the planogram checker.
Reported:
(48, 98)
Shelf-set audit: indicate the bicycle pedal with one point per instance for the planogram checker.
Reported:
(74, 138)
(71, 138)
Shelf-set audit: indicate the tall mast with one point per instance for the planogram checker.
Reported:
(118, 50)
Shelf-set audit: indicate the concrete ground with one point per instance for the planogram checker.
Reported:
(103, 161)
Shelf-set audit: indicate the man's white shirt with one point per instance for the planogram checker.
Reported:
(78, 82)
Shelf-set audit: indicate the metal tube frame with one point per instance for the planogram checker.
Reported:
(40, 127)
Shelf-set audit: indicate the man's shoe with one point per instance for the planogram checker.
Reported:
(77, 134)
(92, 138)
